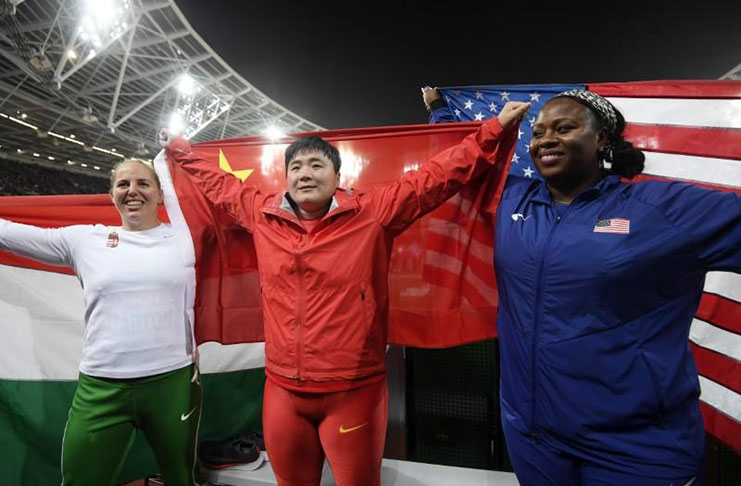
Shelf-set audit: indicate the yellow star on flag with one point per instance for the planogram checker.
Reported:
(242, 175)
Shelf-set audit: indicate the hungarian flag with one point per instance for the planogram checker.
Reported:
(690, 131)
(41, 307)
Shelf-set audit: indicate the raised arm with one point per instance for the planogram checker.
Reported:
(711, 219)
(439, 110)
(222, 189)
(47, 245)
(418, 192)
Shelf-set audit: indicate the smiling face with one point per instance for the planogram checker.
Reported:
(136, 194)
(565, 142)
(312, 182)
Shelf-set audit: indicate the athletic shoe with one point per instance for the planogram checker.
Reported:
(257, 437)
(230, 453)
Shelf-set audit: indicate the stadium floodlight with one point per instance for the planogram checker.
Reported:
(274, 132)
(103, 12)
(187, 85)
(176, 125)
(102, 19)
(197, 111)
(101, 22)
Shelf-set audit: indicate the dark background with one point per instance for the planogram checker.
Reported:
(351, 64)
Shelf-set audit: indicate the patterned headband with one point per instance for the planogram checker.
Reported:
(601, 106)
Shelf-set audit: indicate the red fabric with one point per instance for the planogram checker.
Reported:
(701, 142)
(323, 386)
(721, 426)
(685, 88)
(325, 292)
(348, 427)
(721, 312)
(717, 367)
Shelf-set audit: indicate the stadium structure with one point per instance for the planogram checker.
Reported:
(85, 83)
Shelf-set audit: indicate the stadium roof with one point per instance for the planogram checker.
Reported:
(84, 83)
(734, 73)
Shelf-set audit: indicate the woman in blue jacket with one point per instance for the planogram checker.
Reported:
(599, 281)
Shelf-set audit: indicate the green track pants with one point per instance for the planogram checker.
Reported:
(106, 414)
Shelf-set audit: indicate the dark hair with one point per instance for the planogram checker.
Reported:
(312, 143)
(626, 160)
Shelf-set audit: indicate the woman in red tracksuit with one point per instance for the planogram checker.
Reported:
(323, 256)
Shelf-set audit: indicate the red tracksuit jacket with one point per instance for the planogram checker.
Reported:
(325, 291)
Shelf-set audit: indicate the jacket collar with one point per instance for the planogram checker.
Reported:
(280, 205)
(542, 195)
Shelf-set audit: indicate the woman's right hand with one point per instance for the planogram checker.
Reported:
(173, 142)
(513, 113)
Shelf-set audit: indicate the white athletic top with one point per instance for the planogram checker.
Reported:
(138, 288)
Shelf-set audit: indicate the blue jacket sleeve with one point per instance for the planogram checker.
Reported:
(442, 115)
(712, 220)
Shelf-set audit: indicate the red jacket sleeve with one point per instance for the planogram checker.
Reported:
(222, 189)
(417, 193)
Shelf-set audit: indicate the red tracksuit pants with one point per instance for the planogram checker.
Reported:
(348, 427)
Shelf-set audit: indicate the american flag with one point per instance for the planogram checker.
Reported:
(482, 102)
(615, 225)
(690, 131)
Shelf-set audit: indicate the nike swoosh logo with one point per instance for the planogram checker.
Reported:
(184, 417)
(343, 430)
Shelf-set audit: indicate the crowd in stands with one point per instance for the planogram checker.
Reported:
(19, 179)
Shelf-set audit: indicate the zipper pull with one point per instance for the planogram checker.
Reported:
(362, 295)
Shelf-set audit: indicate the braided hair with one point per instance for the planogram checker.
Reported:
(623, 159)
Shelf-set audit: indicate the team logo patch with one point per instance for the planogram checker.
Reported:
(112, 241)
(618, 226)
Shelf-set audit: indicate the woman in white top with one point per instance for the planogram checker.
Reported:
(137, 368)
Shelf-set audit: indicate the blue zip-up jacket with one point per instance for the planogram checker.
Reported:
(594, 326)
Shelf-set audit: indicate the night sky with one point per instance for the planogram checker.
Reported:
(351, 64)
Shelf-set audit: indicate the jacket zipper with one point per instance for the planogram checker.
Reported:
(300, 317)
(536, 325)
